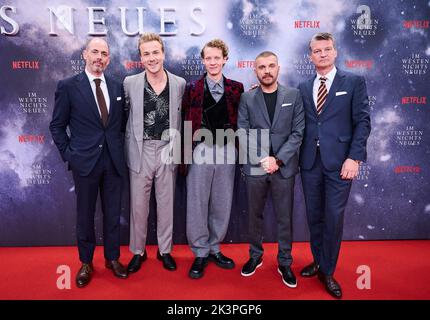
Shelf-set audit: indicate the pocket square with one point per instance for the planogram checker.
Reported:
(286, 104)
(118, 98)
(341, 93)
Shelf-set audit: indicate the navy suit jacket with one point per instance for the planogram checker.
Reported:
(75, 107)
(343, 125)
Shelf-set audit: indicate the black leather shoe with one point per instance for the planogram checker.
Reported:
(168, 261)
(331, 285)
(250, 266)
(83, 277)
(117, 268)
(198, 267)
(221, 260)
(288, 277)
(136, 262)
(310, 270)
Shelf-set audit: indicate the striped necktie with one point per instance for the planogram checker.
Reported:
(322, 95)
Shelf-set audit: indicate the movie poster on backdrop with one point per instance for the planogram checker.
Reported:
(387, 42)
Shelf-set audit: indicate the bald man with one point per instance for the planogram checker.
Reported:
(92, 105)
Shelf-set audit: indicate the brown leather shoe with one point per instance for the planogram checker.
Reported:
(84, 274)
(331, 285)
(310, 270)
(117, 268)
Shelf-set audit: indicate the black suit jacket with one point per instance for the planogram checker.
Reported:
(75, 107)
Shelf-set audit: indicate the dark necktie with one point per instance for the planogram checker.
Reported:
(322, 95)
(101, 101)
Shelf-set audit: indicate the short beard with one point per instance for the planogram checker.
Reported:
(264, 84)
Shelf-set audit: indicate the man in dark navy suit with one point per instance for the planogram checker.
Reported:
(337, 125)
(92, 105)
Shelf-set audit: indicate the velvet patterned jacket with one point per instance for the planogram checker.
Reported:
(192, 102)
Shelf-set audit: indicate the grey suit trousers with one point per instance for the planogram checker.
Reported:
(153, 170)
(209, 200)
(282, 190)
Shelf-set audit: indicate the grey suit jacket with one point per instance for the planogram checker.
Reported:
(133, 88)
(285, 134)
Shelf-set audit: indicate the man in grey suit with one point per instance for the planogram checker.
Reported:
(152, 134)
(271, 123)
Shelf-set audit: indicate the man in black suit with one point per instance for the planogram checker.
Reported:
(337, 127)
(92, 105)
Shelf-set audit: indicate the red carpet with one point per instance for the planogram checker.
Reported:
(399, 270)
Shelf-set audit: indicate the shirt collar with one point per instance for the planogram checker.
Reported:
(148, 85)
(92, 77)
(212, 84)
(330, 76)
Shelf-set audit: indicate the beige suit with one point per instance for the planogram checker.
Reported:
(152, 161)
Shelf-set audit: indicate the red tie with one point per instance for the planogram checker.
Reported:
(322, 95)
(101, 101)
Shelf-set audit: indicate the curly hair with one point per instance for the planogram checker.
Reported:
(215, 43)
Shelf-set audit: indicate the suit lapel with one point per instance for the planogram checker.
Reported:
(279, 100)
(85, 88)
(261, 104)
(112, 98)
(310, 93)
(229, 98)
(200, 92)
(173, 115)
(137, 96)
(196, 103)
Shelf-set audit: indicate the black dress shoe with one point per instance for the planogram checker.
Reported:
(117, 268)
(168, 261)
(288, 277)
(221, 260)
(136, 262)
(310, 270)
(331, 285)
(198, 267)
(84, 274)
(250, 266)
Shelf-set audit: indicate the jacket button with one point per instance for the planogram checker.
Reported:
(100, 146)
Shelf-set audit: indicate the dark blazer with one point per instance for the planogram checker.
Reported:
(75, 107)
(285, 132)
(343, 125)
(192, 102)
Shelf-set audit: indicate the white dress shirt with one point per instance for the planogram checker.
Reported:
(103, 86)
(330, 78)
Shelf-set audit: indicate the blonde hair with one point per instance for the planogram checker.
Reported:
(148, 37)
